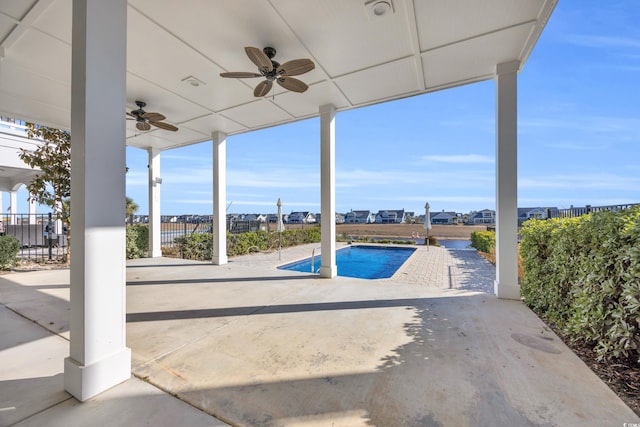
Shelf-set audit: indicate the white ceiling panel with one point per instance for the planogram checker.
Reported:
(166, 61)
(33, 96)
(56, 20)
(42, 54)
(257, 114)
(214, 122)
(466, 61)
(445, 22)
(16, 9)
(6, 25)
(307, 104)
(164, 139)
(177, 109)
(417, 47)
(342, 37)
(396, 78)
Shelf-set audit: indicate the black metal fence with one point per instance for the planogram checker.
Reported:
(579, 211)
(41, 236)
(174, 226)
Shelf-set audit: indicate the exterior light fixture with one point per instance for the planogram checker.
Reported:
(379, 8)
(193, 81)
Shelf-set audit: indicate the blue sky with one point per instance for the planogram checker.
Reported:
(578, 138)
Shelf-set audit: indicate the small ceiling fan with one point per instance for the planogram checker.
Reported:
(144, 120)
(272, 70)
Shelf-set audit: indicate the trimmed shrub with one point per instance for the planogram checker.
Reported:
(200, 246)
(196, 246)
(9, 248)
(484, 241)
(137, 241)
(583, 274)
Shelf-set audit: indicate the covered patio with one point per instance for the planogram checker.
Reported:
(256, 346)
(82, 65)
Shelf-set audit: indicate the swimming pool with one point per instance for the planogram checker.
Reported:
(364, 262)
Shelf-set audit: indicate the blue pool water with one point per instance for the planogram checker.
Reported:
(364, 262)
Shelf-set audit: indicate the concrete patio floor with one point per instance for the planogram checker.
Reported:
(256, 346)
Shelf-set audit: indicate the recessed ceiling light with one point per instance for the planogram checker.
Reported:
(379, 8)
(193, 81)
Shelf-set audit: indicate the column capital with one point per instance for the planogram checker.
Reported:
(507, 67)
(327, 109)
(218, 136)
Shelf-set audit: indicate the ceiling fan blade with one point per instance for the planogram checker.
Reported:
(263, 88)
(296, 67)
(240, 75)
(143, 126)
(292, 84)
(259, 58)
(163, 125)
(132, 115)
(153, 117)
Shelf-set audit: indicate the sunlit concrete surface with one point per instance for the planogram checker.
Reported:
(254, 345)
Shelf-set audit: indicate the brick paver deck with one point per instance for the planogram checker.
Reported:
(461, 269)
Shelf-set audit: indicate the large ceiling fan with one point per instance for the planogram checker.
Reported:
(272, 70)
(144, 120)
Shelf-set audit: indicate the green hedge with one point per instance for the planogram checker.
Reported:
(137, 241)
(200, 246)
(9, 248)
(484, 241)
(583, 274)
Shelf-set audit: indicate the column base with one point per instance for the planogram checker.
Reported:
(84, 382)
(329, 271)
(220, 260)
(156, 254)
(504, 291)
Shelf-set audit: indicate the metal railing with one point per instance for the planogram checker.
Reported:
(41, 236)
(579, 211)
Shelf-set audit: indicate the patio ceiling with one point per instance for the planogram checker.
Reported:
(417, 47)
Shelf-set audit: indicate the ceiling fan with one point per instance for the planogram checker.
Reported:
(144, 120)
(272, 70)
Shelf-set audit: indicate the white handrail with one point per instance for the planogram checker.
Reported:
(313, 259)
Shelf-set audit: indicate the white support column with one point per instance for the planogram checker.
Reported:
(155, 182)
(13, 207)
(328, 266)
(32, 210)
(506, 283)
(219, 198)
(98, 356)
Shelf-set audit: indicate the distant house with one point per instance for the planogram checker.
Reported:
(444, 218)
(485, 216)
(301, 218)
(525, 214)
(390, 217)
(339, 218)
(359, 217)
(255, 217)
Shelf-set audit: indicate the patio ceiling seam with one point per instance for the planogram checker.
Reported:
(478, 36)
(415, 44)
(25, 23)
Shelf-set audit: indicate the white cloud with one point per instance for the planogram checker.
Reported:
(459, 158)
